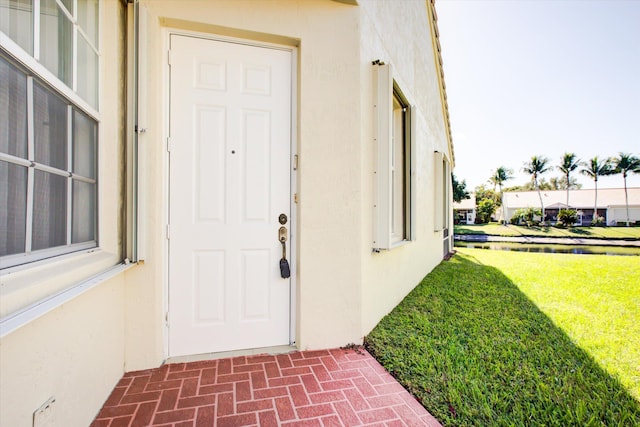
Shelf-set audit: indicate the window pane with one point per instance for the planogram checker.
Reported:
(13, 214)
(49, 211)
(445, 194)
(50, 123)
(87, 72)
(84, 145)
(88, 19)
(16, 21)
(56, 41)
(84, 212)
(13, 110)
(398, 174)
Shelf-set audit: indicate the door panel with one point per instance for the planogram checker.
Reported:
(230, 111)
(210, 154)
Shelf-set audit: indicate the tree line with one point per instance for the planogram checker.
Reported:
(488, 200)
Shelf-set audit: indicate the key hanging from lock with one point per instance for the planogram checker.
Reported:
(285, 271)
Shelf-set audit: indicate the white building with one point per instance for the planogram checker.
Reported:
(464, 211)
(610, 203)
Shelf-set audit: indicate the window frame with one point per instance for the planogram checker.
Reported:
(443, 199)
(442, 191)
(31, 63)
(400, 161)
(388, 90)
(37, 73)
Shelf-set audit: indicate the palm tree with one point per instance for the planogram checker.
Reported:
(460, 192)
(536, 167)
(624, 164)
(501, 175)
(595, 168)
(568, 165)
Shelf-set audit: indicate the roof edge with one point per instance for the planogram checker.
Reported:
(437, 56)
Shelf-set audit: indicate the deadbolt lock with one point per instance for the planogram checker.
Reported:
(282, 234)
(282, 219)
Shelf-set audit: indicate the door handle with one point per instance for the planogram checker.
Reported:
(285, 271)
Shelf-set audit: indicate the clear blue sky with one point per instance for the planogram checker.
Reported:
(540, 77)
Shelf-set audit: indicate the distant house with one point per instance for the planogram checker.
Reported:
(187, 177)
(464, 212)
(611, 204)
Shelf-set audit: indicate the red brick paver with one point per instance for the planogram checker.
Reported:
(309, 388)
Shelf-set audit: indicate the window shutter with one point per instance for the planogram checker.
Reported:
(137, 154)
(413, 187)
(383, 93)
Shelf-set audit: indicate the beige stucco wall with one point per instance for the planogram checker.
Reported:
(77, 352)
(74, 353)
(398, 33)
(328, 182)
(342, 288)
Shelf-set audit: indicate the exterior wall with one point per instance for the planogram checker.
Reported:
(328, 181)
(342, 288)
(464, 216)
(77, 352)
(74, 353)
(618, 214)
(398, 33)
(510, 212)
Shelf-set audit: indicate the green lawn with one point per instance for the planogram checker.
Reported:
(582, 232)
(514, 338)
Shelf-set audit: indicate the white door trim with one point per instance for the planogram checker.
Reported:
(294, 168)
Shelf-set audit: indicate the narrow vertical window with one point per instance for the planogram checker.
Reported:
(395, 158)
(446, 206)
(442, 192)
(399, 169)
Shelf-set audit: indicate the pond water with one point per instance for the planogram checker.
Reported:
(561, 249)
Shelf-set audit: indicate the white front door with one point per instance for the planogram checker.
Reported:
(229, 184)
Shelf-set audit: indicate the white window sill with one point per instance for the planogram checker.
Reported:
(393, 246)
(28, 294)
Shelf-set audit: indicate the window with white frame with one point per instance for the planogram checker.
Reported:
(446, 184)
(48, 128)
(395, 157)
(446, 206)
(400, 167)
(442, 192)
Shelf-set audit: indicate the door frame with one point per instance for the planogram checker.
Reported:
(293, 165)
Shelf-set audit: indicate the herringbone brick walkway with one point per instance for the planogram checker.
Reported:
(310, 388)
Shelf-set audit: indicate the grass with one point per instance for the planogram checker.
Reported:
(581, 232)
(513, 338)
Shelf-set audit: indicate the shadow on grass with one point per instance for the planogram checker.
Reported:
(473, 230)
(476, 351)
(545, 230)
(579, 231)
